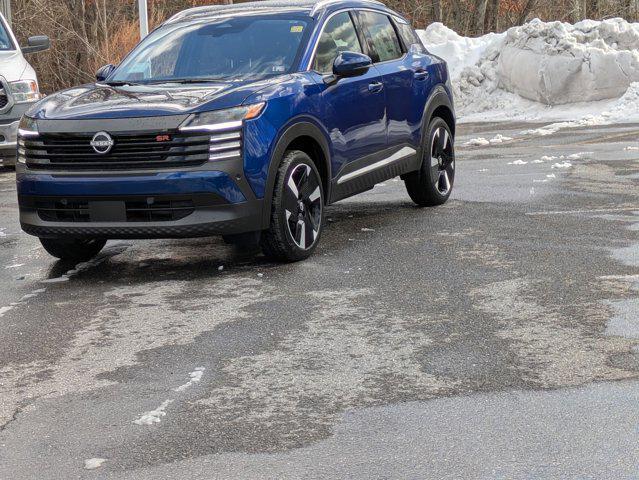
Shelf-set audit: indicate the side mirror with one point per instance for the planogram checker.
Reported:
(104, 72)
(351, 64)
(38, 43)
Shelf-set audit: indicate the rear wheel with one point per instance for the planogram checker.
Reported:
(78, 250)
(432, 184)
(297, 211)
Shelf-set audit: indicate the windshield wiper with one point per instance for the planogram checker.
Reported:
(186, 80)
(119, 84)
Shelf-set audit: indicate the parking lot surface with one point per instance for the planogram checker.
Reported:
(493, 337)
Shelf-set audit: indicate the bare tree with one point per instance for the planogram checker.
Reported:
(492, 16)
(480, 15)
(436, 9)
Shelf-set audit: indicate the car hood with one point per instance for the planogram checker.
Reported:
(12, 65)
(97, 101)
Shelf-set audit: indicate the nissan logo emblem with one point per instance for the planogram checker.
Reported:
(102, 143)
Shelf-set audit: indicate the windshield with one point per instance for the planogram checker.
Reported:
(5, 39)
(252, 47)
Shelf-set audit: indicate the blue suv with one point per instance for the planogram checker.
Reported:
(243, 121)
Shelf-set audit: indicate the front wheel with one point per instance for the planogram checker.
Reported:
(297, 210)
(432, 184)
(78, 250)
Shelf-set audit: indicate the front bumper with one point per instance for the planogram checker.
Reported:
(108, 206)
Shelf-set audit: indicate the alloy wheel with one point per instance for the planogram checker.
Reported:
(442, 161)
(303, 205)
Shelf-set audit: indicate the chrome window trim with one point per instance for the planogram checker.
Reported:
(312, 59)
(349, 9)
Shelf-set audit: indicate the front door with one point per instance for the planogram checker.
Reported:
(352, 109)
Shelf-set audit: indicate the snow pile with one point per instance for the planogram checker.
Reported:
(472, 63)
(558, 63)
(521, 73)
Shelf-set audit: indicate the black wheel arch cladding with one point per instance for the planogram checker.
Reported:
(301, 128)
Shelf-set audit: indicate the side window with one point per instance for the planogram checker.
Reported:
(383, 42)
(338, 36)
(409, 36)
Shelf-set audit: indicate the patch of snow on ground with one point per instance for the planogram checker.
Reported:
(195, 377)
(477, 142)
(542, 72)
(17, 265)
(153, 416)
(499, 138)
(93, 463)
(562, 165)
(518, 162)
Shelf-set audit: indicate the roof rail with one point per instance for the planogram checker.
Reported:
(324, 3)
(240, 7)
(313, 5)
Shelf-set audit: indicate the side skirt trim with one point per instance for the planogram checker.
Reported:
(396, 157)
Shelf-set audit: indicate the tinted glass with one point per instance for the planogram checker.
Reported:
(383, 42)
(339, 35)
(230, 48)
(409, 37)
(5, 39)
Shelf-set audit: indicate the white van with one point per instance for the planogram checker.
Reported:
(18, 87)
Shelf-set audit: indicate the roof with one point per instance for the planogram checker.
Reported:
(311, 6)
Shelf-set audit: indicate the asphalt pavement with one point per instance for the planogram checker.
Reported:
(495, 337)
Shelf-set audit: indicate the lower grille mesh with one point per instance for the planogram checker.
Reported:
(133, 209)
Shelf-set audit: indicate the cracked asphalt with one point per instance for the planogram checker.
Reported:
(494, 337)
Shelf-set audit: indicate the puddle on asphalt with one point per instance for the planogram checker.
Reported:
(625, 321)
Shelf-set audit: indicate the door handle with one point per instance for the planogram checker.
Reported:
(375, 87)
(421, 74)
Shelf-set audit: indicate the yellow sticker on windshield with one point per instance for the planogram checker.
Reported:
(297, 28)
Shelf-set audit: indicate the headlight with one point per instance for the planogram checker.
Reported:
(222, 119)
(24, 91)
(28, 127)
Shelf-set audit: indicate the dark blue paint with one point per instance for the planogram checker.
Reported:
(153, 184)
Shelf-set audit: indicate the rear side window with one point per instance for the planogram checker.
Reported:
(383, 42)
(409, 37)
(338, 36)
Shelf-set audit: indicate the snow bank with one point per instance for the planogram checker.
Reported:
(522, 73)
(557, 63)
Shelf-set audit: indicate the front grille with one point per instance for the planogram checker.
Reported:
(4, 99)
(135, 209)
(130, 151)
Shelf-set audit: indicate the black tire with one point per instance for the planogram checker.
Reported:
(73, 249)
(297, 210)
(432, 184)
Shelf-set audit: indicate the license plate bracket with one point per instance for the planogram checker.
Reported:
(107, 211)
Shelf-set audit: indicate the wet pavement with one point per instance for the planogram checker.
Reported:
(493, 337)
